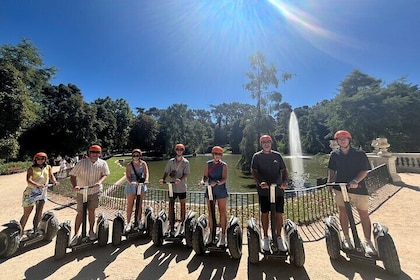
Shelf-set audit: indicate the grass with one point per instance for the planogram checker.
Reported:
(116, 170)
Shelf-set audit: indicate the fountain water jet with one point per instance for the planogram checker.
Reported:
(295, 149)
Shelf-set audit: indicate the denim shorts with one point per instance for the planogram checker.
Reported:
(129, 189)
(219, 192)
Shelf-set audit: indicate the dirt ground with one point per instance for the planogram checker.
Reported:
(139, 259)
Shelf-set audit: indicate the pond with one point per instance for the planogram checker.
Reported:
(237, 181)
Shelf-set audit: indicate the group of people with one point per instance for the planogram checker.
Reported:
(346, 165)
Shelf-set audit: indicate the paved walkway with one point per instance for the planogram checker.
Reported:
(141, 260)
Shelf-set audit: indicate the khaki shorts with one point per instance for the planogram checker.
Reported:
(92, 201)
(360, 201)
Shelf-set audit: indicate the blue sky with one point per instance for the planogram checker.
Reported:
(160, 52)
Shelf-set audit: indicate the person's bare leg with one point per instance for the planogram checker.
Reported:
(26, 212)
(264, 222)
(130, 203)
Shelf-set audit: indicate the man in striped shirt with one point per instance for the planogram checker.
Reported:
(91, 171)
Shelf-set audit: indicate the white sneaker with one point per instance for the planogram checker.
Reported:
(347, 243)
(209, 239)
(74, 240)
(92, 236)
(266, 244)
(281, 245)
(369, 248)
(128, 228)
(222, 240)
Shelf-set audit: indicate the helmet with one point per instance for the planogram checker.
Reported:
(266, 137)
(136, 151)
(40, 154)
(95, 148)
(342, 134)
(180, 146)
(217, 149)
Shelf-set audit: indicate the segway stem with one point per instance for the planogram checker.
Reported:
(213, 211)
(171, 205)
(139, 187)
(273, 213)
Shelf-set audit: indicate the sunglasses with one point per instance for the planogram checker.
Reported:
(179, 150)
(265, 142)
(94, 152)
(135, 155)
(40, 158)
(217, 154)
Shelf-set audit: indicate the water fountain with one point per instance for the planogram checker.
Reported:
(295, 148)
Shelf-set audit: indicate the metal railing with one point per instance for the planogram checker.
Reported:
(304, 207)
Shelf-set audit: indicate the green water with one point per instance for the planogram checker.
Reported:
(237, 181)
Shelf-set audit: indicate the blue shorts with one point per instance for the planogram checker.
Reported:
(129, 189)
(219, 192)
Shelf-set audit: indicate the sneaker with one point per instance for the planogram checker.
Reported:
(369, 248)
(74, 240)
(222, 240)
(92, 236)
(347, 243)
(127, 228)
(266, 244)
(281, 244)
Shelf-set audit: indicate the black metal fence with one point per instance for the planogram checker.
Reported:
(304, 207)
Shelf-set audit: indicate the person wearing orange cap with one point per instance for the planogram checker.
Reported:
(268, 167)
(37, 176)
(215, 172)
(91, 171)
(350, 165)
(136, 172)
(178, 169)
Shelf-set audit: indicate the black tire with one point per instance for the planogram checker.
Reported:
(61, 243)
(117, 230)
(52, 228)
(297, 251)
(253, 247)
(103, 233)
(188, 230)
(9, 242)
(235, 242)
(332, 240)
(389, 255)
(197, 241)
(157, 235)
(149, 227)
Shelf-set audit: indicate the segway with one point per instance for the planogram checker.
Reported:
(83, 241)
(295, 250)
(206, 241)
(384, 244)
(168, 230)
(10, 237)
(137, 228)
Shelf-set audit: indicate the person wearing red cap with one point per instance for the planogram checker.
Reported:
(37, 176)
(268, 167)
(350, 165)
(91, 171)
(136, 171)
(178, 169)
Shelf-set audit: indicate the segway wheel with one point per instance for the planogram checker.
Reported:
(61, 243)
(117, 229)
(9, 242)
(332, 240)
(235, 241)
(253, 247)
(389, 255)
(157, 235)
(189, 229)
(149, 228)
(103, 233)
(197, 241)
(52, 228)
(297, 252)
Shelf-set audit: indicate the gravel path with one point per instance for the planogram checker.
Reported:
(141, 260)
